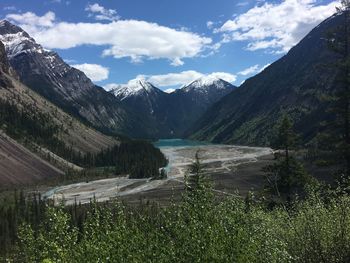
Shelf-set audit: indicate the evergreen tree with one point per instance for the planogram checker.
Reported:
(286, 139)
(286, 177)
(195, 179)
(339, 128)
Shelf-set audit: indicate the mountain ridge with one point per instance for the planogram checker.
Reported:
(295, 85)
(171, 113)
(31, 128)
(46, 73)
(151, 115)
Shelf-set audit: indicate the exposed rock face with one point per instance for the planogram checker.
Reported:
(18, 165)
(4, 64)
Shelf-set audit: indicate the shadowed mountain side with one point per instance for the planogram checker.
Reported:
(298, 84)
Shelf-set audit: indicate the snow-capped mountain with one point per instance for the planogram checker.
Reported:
(135, 87)
(195, 98)
(204, 91)
(45, 72)
(148, 102)
(136, 109)
(16, 40)
(142, 97)
(173, 113)
(207, 84)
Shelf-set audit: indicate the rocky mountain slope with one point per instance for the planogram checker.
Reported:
(148, 102)
(297, 84)
(138, 109)
(25, 115)
(46, 73)
(195, 98)
(20, 166)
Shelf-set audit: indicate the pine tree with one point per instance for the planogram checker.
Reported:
(286, 176)
(287, 138)
(339, 43)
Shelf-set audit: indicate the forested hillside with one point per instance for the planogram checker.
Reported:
(300, 84)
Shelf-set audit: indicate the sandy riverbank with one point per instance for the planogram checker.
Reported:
(231, 168)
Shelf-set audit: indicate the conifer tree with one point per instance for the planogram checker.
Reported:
(286, 176)
(195, 180)
(339, 43)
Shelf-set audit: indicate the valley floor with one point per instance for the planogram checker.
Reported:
(232, 169)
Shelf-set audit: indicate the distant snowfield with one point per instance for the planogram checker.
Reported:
(215, 157)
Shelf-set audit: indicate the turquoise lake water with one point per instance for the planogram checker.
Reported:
(178, 143)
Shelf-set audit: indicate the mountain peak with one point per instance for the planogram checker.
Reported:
(207, 82)
(7, 27)
(16, 40)
(140, 84)
(133, 87)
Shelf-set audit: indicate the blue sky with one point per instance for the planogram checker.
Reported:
(170, 43)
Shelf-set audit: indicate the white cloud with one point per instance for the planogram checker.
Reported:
(172, 79)
(225, 76)
(264, 67)
(242, 3)
(249, 71)
(253, 70)
(111, 86)
(101, 13)
(9, 8)
(135, 39)
(210, 24)
(276, 27)
(32, 20)
(93, 71)
(179, 79)
(70, 61)
(169, 90)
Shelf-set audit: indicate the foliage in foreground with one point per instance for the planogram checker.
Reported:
(198, 230)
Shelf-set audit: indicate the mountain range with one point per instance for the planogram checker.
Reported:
(50, 110)
(137, 110)
(170, 115)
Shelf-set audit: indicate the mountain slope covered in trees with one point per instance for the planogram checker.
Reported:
(299, 85)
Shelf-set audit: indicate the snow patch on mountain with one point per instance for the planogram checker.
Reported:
(15, 43)
(204, 83)
(133, 87)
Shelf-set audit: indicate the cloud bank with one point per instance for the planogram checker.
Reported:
(134, 39)
(93, 71)
(276, 26)
(177, 79)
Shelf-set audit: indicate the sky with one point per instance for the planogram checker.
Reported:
(169, 43)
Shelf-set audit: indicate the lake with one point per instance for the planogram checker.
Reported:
(178, 143)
